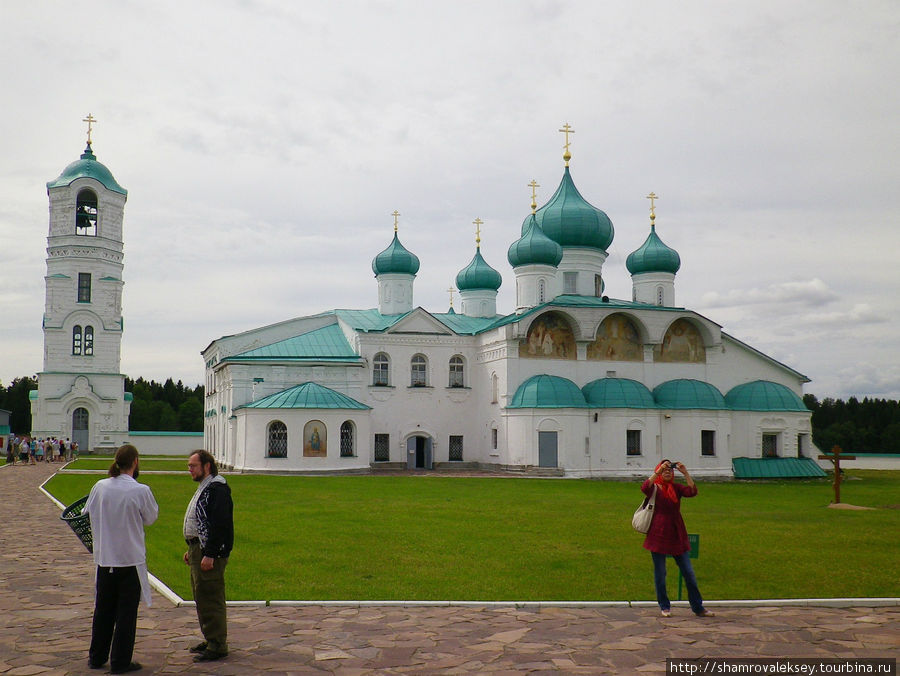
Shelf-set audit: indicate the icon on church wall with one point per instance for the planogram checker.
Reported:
(683, 343)
(617, 340)
(314, 440)
(549, 337)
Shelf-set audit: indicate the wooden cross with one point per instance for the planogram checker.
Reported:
(90, 119)
(652, 197)
(566, 129)
(835, 457)
(533, 185)
(477, 223)
(396, 215)
(451, 290)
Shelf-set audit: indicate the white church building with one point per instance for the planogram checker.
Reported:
(81, 392)
(570, 382)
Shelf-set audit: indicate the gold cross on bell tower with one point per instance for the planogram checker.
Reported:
(477, 223)
(652, 197)
(396, 215)
(90, 119)
(566, 129)
(534, 185)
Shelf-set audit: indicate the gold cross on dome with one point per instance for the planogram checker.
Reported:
(534, 185)
(396, 215)
(477, 223)
(566, 129)
(652, 197)
(90, 119)
(451, 290)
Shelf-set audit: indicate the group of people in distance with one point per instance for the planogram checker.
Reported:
(119, 508)
(31, 451)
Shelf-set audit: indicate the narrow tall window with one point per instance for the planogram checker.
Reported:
(707, 442)
(76, 339)
(598, 286)
(570, 282)
(382, 447)
(86, 213)
(84, 287)
(89, 340)
(456, 448)
(456, 372)
(418, 366)
(347, 439)
(276, 445)
(494, 436)
(380, 369)
(633, 442)
(659, 295)
(542, 291)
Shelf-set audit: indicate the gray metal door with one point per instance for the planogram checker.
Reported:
(547, 449)
(411, 453)
(80, 429)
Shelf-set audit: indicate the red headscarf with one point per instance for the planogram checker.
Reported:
(663, 486)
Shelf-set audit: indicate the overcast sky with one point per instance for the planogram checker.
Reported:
(265, 143)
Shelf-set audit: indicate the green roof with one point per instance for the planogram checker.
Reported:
(775, 468)
(395, 259)
(618, 393)
(87, 167)
(534, 247)
(569, 220)
(327, 342)
(687, 393)
(307, 395)
(544, 391)
(653, 256)
(763, 395)
(478, 275)
(373, 321)
(465, 325)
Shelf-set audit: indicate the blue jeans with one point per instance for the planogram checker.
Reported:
(687, 572)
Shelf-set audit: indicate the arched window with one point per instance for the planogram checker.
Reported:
(541, 291)
(89, 340)
(381, 369)
(659, 295)
(347, 435)
(276, 443)
(457, 374)
(86, 213)
(76, 339)
(417, 370)
(495, 388)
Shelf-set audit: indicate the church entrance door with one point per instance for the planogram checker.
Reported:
(547, 449)
(419, 453)
(80, 433)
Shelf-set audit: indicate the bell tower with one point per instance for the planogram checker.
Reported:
(81, 393)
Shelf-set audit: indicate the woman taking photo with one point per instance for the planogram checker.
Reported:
(668, 536)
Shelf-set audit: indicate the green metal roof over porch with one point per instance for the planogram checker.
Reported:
(776, 468)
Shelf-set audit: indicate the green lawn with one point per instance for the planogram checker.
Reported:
(437, 538)
(148, 463)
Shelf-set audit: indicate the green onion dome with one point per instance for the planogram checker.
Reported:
(87, 167)
(763, 395)
(395, 259)
(534, 247)
(653, 256)
(478, 275)
(570, 221)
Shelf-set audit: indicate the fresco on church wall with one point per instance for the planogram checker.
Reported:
(682, 343)
(314, 441)
(549, 337)
(617, 340)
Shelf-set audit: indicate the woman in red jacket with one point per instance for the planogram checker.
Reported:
(668, 536)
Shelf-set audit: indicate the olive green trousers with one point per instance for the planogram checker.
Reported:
(208, 587)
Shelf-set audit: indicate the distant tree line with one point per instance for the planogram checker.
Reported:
(166, 407)
(867, 426)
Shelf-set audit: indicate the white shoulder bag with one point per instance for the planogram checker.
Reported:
(643, 515)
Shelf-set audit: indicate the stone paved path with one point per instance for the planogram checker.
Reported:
(46, 594)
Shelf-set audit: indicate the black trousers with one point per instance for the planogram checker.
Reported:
(115, 616)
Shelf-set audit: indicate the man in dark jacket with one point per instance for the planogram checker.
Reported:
(209, 533)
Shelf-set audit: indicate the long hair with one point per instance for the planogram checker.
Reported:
(126, 455)
(206, 458)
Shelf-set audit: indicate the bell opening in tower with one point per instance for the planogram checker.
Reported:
(86, 213)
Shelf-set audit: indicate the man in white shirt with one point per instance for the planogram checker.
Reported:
(119, 508)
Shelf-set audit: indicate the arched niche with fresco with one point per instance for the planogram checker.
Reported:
(617, 339)
(682, 343)
(549, 337)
